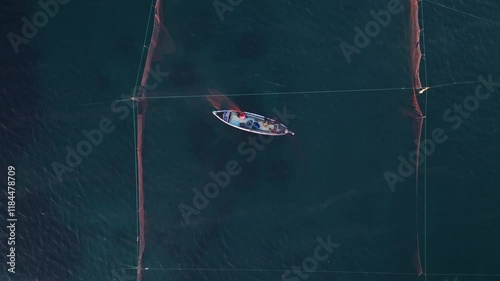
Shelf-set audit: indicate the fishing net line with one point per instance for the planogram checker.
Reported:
(417, 117)
(160, 44)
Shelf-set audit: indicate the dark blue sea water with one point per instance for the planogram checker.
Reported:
(325, 183)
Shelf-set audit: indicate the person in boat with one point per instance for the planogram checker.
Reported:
(265, 123)
(242, 115)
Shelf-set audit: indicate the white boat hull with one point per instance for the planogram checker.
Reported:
(252, 123)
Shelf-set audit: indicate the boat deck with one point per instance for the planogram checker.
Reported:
(248, 123)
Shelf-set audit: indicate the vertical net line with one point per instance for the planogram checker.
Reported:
(415, 57)
(160, 41)
(134, 117)
(425, 141)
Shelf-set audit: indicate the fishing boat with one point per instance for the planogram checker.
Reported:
(252, 123)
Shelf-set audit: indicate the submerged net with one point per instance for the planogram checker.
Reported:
(220, 101)
(160, 43)
(415, 53)
(416, 114)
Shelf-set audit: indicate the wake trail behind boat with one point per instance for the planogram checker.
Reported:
(220, 101)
